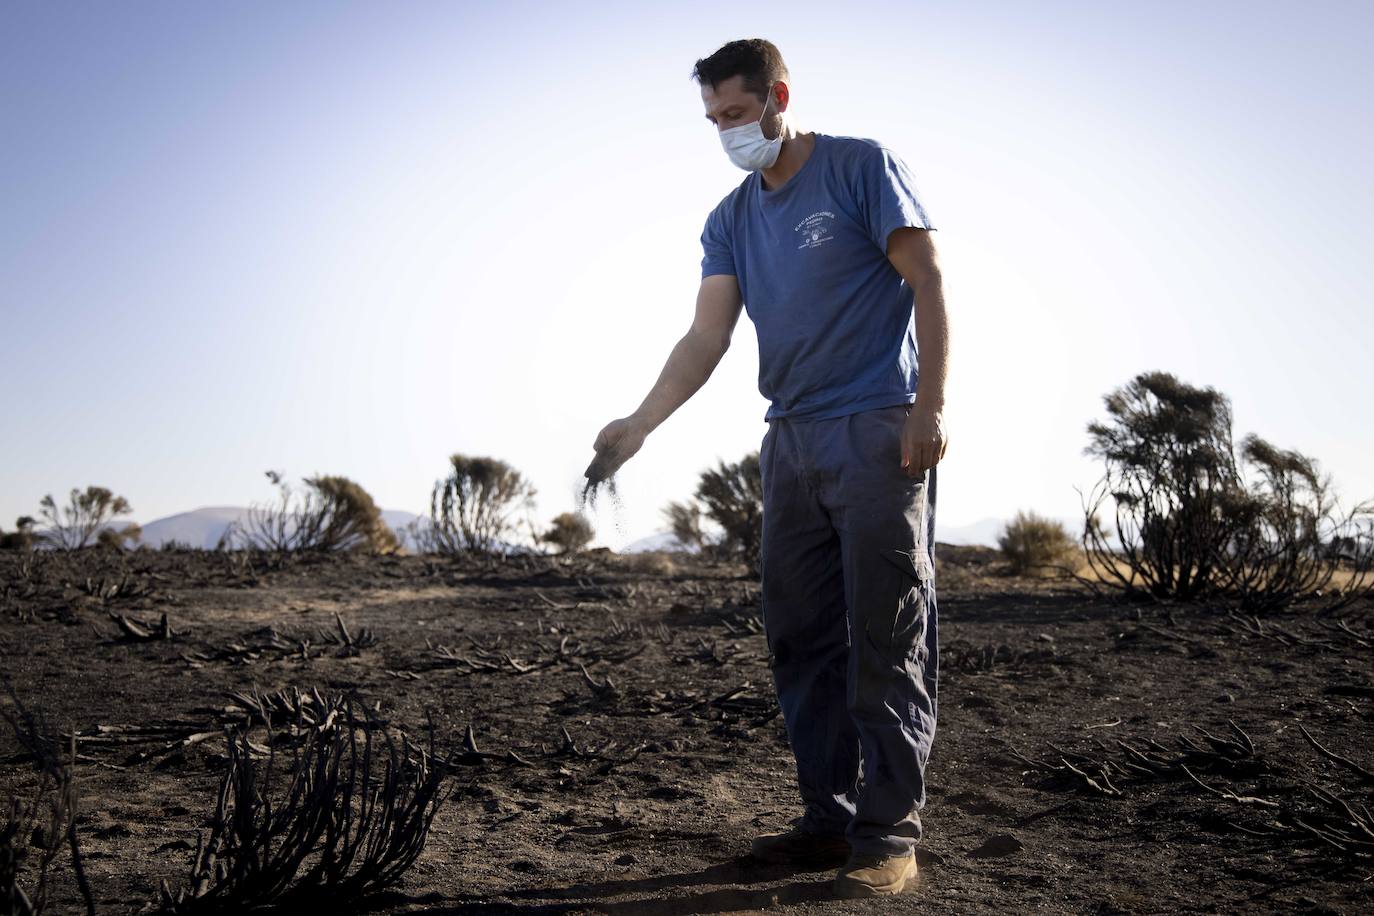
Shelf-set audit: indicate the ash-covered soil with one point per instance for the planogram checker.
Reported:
(1091, 756)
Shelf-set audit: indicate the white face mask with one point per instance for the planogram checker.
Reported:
(746, 145)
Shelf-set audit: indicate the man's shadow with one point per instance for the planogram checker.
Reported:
(807, 886)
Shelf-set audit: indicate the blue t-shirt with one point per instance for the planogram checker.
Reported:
(834, 318)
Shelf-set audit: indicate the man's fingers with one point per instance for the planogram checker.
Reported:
(920, 462)
(920, 456)
(606, 463)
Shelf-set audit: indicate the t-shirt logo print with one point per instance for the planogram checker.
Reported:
(814, 231)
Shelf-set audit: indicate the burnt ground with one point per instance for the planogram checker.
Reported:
(1083, 752)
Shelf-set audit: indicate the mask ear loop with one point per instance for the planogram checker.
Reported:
(765, 107)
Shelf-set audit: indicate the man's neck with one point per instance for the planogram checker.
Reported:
(796, 149)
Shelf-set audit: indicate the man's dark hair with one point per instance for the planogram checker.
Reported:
(756, 60)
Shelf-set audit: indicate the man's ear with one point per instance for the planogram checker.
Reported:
(781, 95)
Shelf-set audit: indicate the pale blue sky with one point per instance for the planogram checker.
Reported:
(352, 239)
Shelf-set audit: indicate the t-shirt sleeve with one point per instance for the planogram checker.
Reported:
(718, 255)
(890, 198)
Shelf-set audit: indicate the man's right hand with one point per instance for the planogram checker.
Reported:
(614, 445)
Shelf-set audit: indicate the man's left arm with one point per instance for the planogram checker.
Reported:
(912, 253)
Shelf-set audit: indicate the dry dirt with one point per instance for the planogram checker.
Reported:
(682, 757)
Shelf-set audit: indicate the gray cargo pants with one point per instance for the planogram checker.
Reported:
(848, 590)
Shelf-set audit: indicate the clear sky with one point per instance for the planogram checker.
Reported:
(353, 239)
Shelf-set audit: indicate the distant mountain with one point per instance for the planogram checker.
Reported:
(197, 528)
(203, 527)
(661, 540)
(398, 519)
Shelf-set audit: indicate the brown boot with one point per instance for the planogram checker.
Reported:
(875, 875)
(802, 848)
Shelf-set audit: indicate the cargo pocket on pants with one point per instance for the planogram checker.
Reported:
(904, 634)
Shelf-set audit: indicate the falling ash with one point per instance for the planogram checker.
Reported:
(591, 493)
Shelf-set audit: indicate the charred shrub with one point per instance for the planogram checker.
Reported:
(1032, 543)
(353, 816)
(22, 538)
(733, 497)
(332, 513)
(36, 828)
(1291, 540)
(1171, 473)
(473, 508)
(71, 527)
(119, 538)
(729, 495)
(1194, 523)
(684, 520)
(570, 532)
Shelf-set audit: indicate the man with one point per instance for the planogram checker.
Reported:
(828, 248)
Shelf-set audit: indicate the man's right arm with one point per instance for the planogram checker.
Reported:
(690, 364)
(697, 354)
